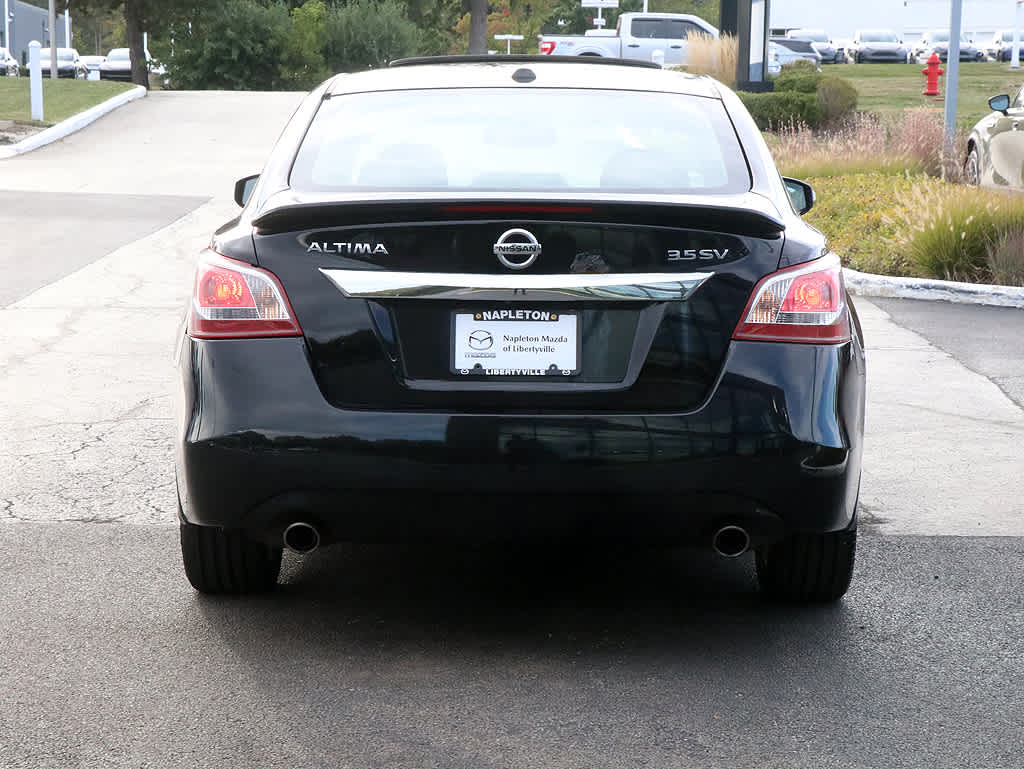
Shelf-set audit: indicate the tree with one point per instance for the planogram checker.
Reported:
(233, 45)
(302, 64)
(478, 26)
(369, 33)
(140, 16)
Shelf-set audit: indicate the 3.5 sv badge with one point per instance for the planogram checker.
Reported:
(697, 254)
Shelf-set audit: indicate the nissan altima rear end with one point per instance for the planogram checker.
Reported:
(521, 298)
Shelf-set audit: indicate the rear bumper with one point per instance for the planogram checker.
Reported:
(777, 445)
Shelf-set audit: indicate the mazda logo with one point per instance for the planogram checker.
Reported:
(517, 243)
(481, 340)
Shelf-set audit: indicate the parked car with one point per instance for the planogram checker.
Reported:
(937, 41)
(69, 63)
(876, 45)
(995, 146)
(433, 323)
(820, 41)
(636, 36)
(1000, 48)
(93, 62)
(8, 64)
(118, 65)
(788, 50)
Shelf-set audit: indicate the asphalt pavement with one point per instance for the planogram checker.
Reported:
(988, 340)
(80, 229)
(458, 657)
(513, 657)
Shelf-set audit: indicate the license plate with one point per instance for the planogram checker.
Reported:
(503, 342)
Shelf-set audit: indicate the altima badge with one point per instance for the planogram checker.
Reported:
(353, 249)
(517, 243)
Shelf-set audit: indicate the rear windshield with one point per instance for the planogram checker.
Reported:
(521, 139)
(119, 55)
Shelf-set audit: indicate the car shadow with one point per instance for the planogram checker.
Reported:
(584, 597)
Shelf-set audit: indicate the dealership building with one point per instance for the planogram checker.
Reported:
(27, 23)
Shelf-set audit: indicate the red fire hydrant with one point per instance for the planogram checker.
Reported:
(933, 70)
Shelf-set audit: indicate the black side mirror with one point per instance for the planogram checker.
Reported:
(244, 188)
(1000, 103)
(801, 193)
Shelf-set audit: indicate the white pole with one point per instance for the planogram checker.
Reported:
(1015, 51)
(645, 6)
(7, 26)
(35, 80)
(952, 76)
(67, 28)
(52, 24)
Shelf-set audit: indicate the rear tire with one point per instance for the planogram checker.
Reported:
(226, 561)
(972, 168)
(808, 568)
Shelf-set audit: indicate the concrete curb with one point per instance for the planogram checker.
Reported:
(72, 124)
(865, 284)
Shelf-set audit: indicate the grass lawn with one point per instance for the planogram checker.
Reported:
(61, 98)
(894, 87)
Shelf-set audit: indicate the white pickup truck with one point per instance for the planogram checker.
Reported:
(637, 36)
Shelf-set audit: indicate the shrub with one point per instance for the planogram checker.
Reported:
(363, 34)
(864, 143)
(1006, 258)
(235, 46)
(798, 80)
(800, 65)
(949, 230)
(713, 56)
(838, 99)
(861, 215)
(918, 134)
(784, 108)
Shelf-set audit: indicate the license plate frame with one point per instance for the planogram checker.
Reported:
(555, 335)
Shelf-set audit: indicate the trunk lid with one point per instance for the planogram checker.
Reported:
(576, 306)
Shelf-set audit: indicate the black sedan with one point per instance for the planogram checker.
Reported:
(449, 309)
(995, 147)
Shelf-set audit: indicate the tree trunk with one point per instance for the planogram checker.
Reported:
(478, 26)
(133, 31)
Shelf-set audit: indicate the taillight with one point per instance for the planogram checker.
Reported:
(547, 47)
(799, 304)
(232, 299)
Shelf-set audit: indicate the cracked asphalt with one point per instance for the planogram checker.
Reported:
(449, 657)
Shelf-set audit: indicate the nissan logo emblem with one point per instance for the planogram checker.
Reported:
(517, 243)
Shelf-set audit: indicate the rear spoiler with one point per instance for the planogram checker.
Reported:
(746, 214)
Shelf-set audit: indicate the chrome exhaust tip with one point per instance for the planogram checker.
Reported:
(731, 541)
(301, 537)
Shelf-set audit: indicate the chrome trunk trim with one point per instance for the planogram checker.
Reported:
(637, 287)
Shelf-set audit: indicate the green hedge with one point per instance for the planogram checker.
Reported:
(798, 80)
(802, 96)
(778, 108)
(837, 97)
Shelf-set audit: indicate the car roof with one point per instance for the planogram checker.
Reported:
(497, 71)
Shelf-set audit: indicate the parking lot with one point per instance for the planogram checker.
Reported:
(433, 656)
